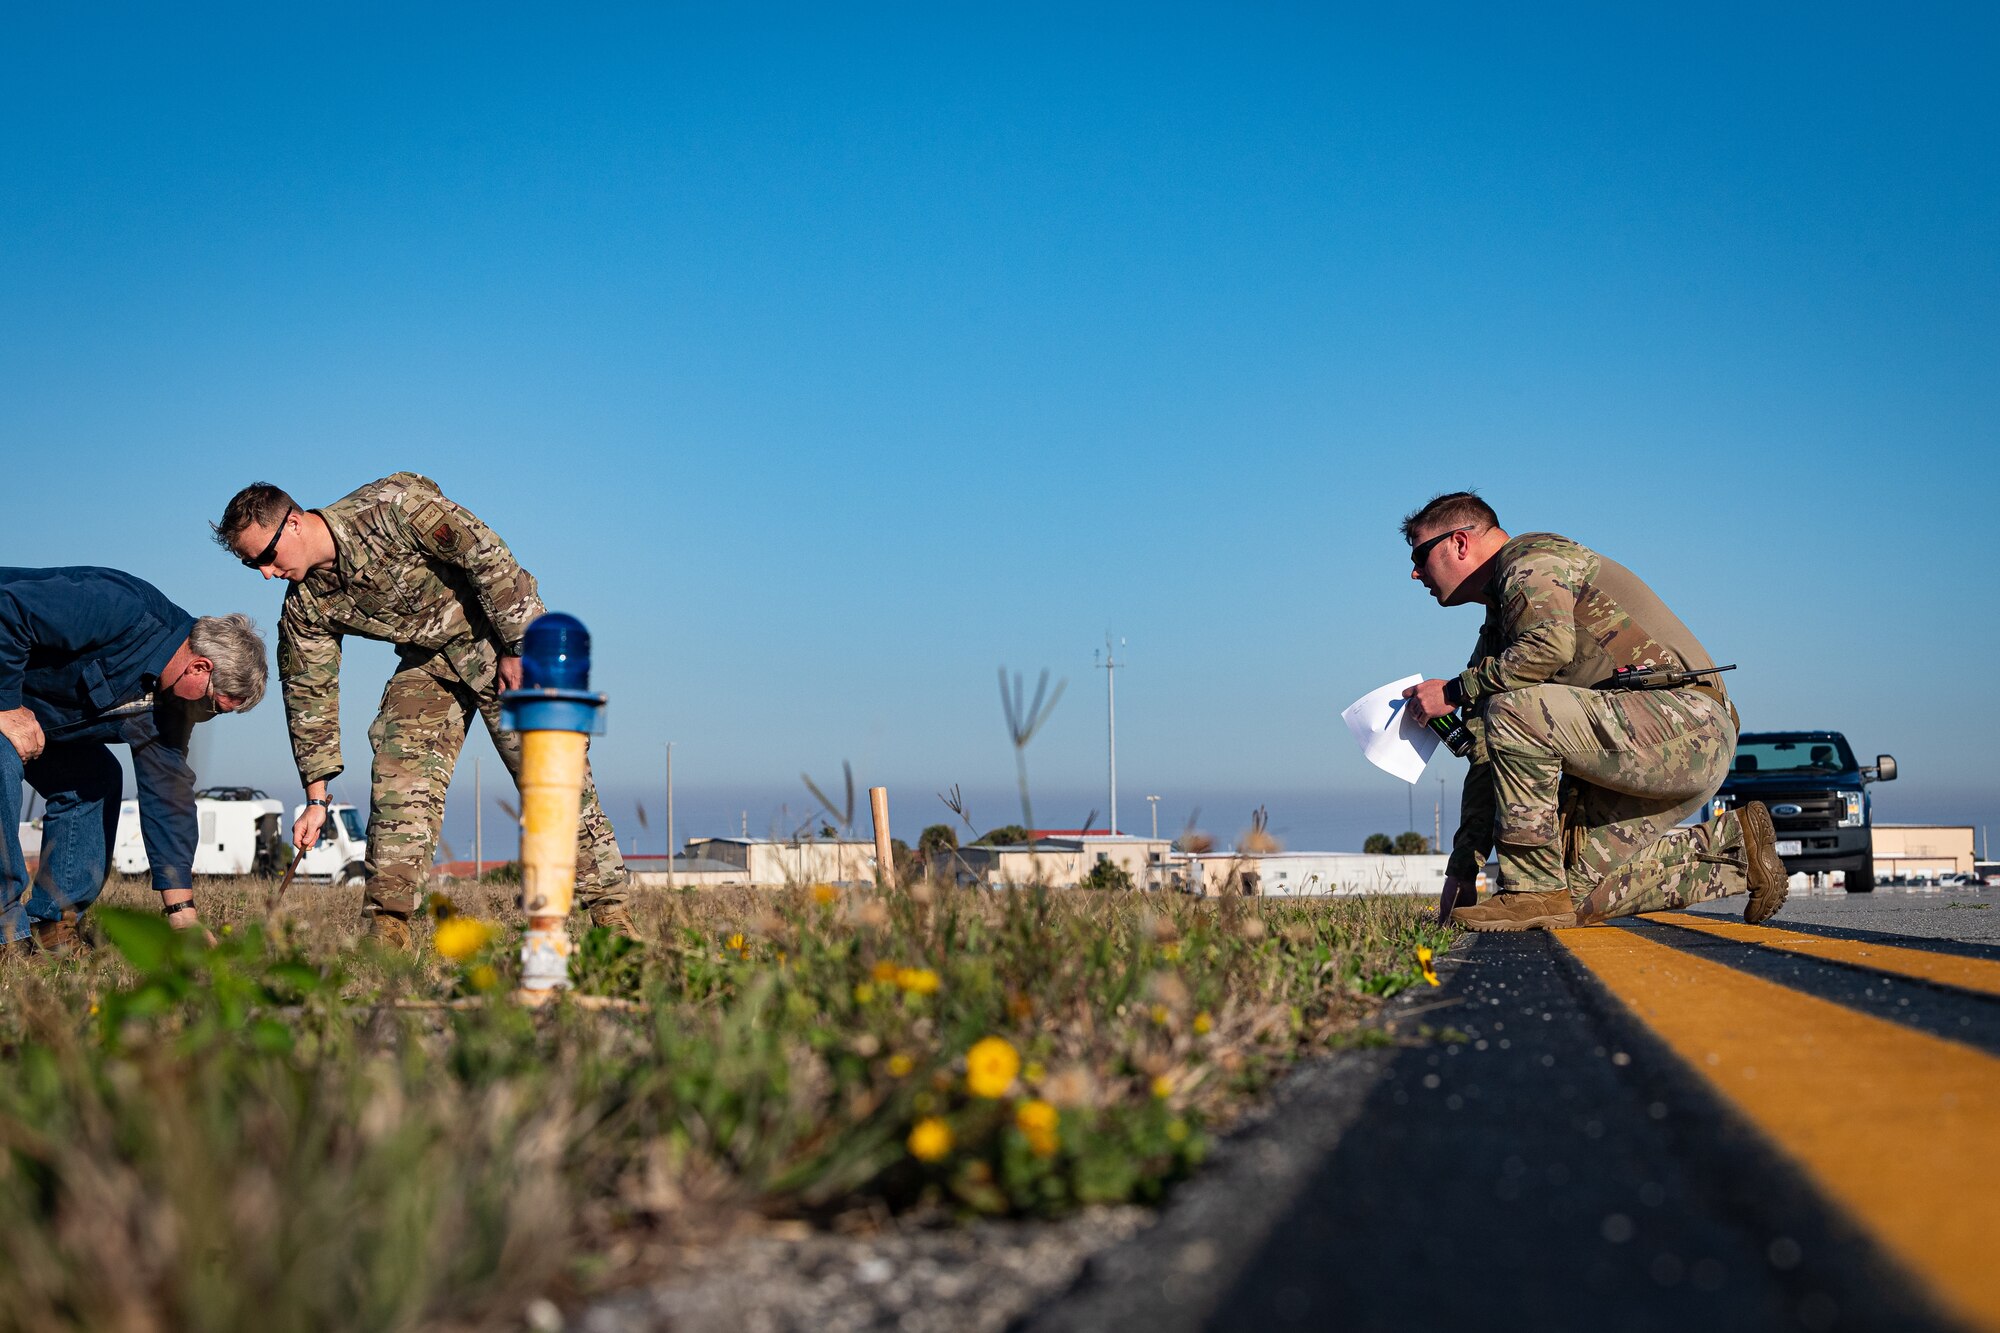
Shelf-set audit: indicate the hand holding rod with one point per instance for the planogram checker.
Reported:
(278, 894)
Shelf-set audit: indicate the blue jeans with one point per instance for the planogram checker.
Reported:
(81, 782)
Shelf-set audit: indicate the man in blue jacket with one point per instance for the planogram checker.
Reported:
(90, 658)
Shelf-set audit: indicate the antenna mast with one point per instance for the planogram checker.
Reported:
(1110, 664)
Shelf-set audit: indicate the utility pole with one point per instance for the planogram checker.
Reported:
(1155, 802)
(670, 814)
(1111, 665)
(478, 826)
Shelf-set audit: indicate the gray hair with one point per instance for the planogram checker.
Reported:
(237, 649)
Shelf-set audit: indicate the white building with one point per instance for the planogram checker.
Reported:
(1061, 862)
(1312, 874)
(769, 863)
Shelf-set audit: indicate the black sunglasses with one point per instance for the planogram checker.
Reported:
(269, 553)
(1418, 553)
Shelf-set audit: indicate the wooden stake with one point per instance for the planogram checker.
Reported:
(885, 856)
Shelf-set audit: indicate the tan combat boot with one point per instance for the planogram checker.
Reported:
(59, 938)
(1769, 880)
(1519, 911)
(391, 930)
(613, 917)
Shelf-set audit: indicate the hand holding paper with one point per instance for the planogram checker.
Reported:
(1388, 733)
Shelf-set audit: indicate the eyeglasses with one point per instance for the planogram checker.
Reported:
(269, 553)
(1418, 553)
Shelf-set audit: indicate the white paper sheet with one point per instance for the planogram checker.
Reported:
(1391, 738)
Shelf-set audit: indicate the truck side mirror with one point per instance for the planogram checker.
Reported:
(1885, 768)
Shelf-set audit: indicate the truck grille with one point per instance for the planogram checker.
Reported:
(1817, 810)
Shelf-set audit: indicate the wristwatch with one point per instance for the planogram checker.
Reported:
(1454, 693)
(319, 801)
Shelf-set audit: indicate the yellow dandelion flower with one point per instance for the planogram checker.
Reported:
(1204, 1023)
(990, 1067)
(863, 993)
(1171, 953)
(1163, 1087)
(734, 942)
(930, 1139)
(918, 980)
(885, 972)
(1424, 965)
(1044, 1143)
(1160, 1015)
(1035, 1071)
(460, 937)
(93, 1007)
(900, 1065)
(484, 978)
(824, 894)
(1036, 1116)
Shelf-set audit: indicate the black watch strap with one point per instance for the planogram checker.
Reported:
(185, 905)
(319, 801)
(1454, 693)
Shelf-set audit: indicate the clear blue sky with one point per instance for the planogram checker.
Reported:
(824, 361)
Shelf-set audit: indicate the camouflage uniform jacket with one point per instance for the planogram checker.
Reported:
(410, 568)
(1557, 614)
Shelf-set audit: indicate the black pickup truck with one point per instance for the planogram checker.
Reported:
(1818, 795)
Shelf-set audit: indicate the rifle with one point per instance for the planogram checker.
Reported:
(1660, 677)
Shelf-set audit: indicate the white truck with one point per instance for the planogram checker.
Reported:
(240, 835)
(340, 856)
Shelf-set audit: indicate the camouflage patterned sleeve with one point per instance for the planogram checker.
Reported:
(1534, 601)
(453, 534)
(309, 671)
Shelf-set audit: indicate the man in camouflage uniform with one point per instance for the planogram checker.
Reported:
(398, 562)
(1582, 785)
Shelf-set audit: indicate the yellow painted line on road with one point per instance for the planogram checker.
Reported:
(1943, 969)
(1900, 1128)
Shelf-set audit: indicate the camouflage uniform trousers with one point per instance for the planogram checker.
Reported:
(1591, 785)
(417, 737)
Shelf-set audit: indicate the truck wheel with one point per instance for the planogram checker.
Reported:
(355, 873)
(1861, 875)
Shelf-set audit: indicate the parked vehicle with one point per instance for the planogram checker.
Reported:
(238, 834)
(341, 854)
(1818, 795)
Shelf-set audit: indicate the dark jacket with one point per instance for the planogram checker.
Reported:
(79, 647)
(77, 642)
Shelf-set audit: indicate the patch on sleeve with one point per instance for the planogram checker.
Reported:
(445, 536)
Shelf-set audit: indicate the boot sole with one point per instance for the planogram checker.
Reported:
(1764, 862)
(1561, 921)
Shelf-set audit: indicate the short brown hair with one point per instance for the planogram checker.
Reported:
(1453, 509)
(259, 502)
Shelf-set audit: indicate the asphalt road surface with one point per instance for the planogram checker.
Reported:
(1676, 1123)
